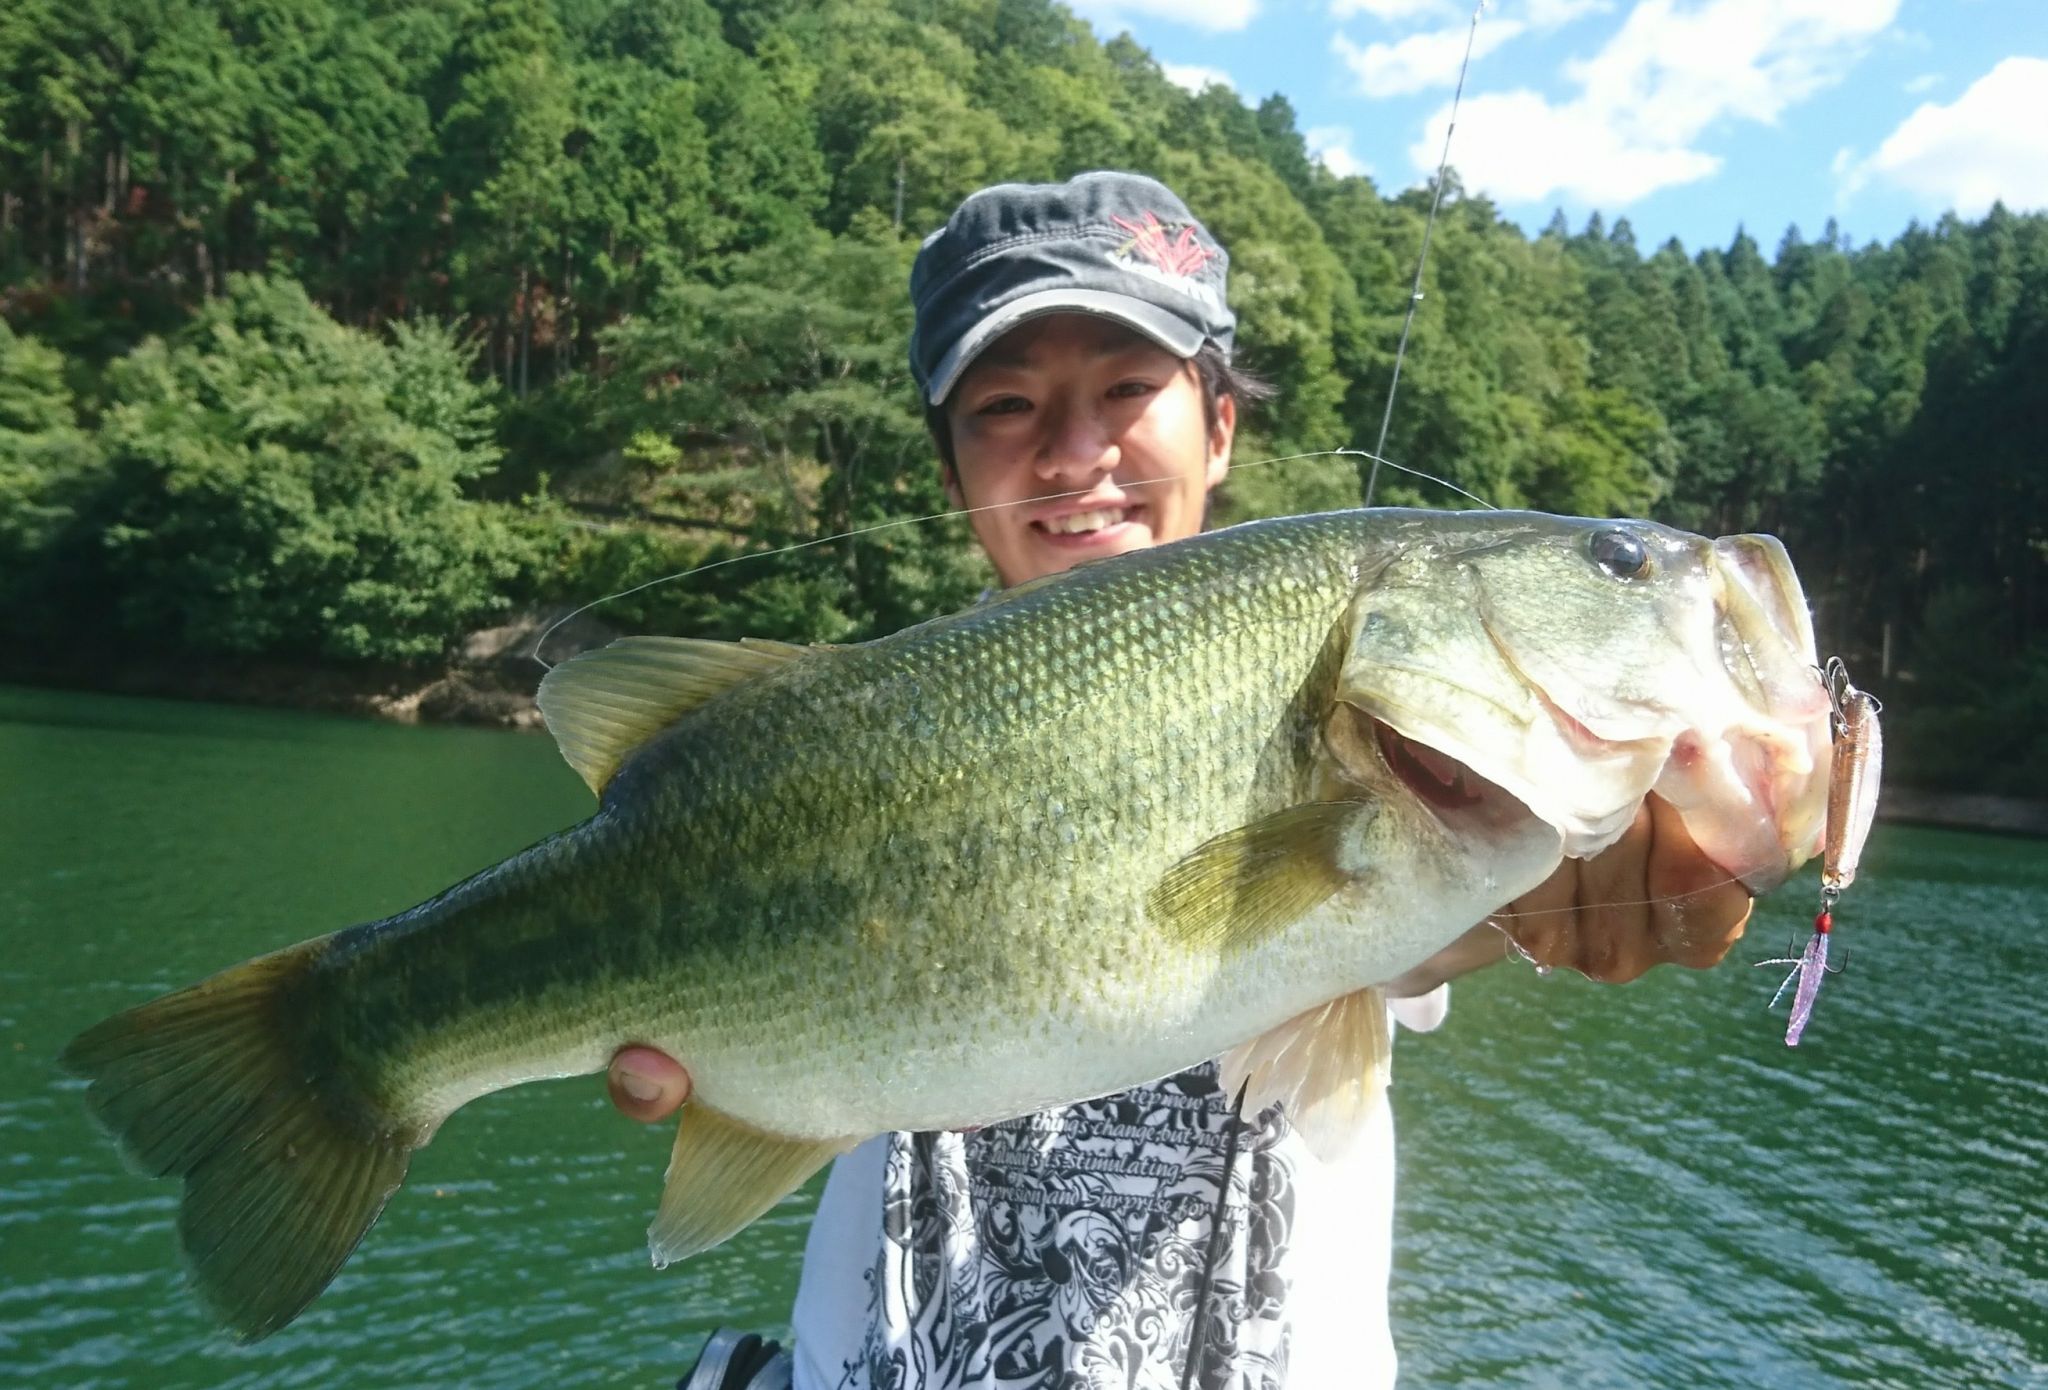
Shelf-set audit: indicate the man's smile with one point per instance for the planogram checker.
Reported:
(1096, 525)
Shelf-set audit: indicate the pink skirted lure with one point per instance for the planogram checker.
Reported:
(1852, 804)
(1809, 969)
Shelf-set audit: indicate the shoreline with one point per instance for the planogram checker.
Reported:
(452, 694)
(1998, 815)
(487, 680)
(487, 686)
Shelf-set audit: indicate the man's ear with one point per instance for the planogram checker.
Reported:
(950, 481)
(1220, 439)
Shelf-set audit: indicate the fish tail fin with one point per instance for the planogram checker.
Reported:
(283, 1172)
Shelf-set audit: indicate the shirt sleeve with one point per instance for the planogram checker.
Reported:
(1425, 1012)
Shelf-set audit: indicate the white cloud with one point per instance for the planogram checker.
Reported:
(1214, 15)
(1195, 77)
(1680, 70)
(1554, 14)
(1671, 73)
(1330, 146)
(1925, 82)
(1420, 61)
(1990, 143)
(1392, 11)
(1519, 148)
(1541, 14)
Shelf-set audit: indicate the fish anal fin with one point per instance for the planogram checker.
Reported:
(722, 1174)
(1244, 885)
(602, 705)
(1327, 1067)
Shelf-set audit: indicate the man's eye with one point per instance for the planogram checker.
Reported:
(1004, 405)
(1127, 389)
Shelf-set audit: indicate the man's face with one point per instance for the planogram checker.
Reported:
(1086, 439)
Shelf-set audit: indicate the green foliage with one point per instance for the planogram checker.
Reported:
(1966, 722)
(777, 409)
(675, 233)
(281, 483)
(50, 468)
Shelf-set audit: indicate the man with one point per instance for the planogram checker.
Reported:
(1074, 345)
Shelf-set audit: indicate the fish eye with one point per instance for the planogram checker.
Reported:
(1619, 553)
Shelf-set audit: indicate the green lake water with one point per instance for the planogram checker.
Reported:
(1600, 1187)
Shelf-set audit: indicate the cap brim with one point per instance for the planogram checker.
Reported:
(1169, 330)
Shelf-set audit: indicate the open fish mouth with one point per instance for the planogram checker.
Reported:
(1458, 795)
(1438, 778)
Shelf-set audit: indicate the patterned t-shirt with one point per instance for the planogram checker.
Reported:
(1073, 1249)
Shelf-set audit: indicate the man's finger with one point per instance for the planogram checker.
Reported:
(645, 1084)
(1613, 919)
(1699, 913)
(1649, 898)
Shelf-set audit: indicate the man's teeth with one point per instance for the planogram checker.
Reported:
(1079, 522)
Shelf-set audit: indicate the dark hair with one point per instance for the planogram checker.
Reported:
(1215, 373)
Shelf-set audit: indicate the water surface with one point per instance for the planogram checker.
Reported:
(1600, 1187)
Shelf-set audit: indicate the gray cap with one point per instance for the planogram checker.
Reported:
(1119, 245)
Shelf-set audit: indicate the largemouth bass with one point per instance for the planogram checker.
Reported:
(1101, 828)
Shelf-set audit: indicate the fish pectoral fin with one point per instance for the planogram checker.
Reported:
(722, 1174)
(1327, 1067)
(1248, 883)
(602, 705)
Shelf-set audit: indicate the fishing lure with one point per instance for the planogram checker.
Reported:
(1853, 776)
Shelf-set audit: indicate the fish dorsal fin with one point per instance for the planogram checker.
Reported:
(602, 705)
(1239, 888)
(1328, 1068)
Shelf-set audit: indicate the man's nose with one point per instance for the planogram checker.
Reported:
(1078, 444)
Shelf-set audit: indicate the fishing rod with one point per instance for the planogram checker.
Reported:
(1436, 199)
(1199, 1335)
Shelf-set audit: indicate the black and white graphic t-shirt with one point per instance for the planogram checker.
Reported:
(1071, 1250)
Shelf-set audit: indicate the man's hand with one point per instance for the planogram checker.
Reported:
(1649, 898)
(647, 1085)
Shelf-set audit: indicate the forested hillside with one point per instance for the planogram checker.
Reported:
(333, 329)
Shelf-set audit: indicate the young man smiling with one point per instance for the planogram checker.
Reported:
(1075, 438)
(1073, 344)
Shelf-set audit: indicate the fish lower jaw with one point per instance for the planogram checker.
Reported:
(1754, 802)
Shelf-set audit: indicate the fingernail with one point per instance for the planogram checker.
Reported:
(638, 1087)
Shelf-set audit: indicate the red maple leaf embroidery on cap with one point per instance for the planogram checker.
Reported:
(1182, 255)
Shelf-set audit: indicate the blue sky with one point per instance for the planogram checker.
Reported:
(1689, 117)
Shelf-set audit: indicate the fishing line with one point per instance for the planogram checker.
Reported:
(1428, 225)
(1495, 917)
(901, 521)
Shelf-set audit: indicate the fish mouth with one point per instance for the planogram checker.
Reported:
(1454, 792)
(1437, 778)
(1753, 790)
(1750, 798)
(1752, 850)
